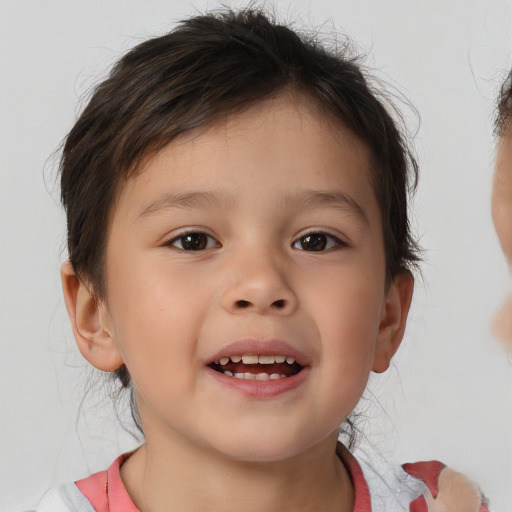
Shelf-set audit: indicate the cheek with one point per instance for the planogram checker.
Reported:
(348, 318)
(153, 319)
(502, 325)
(502, 216)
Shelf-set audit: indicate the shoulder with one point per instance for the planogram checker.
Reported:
(427, 486)
(65, 498)
(101, 492)
(446, 489)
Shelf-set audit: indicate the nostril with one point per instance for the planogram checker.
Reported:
(244, 304)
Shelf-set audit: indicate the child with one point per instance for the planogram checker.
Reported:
(240, 257)
(502, 198)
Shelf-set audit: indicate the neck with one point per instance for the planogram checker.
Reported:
(177, 476)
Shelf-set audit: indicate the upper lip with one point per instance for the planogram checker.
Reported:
(260, 347)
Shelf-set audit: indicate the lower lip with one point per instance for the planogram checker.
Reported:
(261, 389)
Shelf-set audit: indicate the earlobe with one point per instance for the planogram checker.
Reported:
(393, 320)
(90, 323)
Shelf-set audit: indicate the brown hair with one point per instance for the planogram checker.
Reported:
(209, 66)
(504, 107)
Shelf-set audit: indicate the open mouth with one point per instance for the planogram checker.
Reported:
(257, 367)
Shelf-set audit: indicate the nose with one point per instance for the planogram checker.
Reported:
(258, 283)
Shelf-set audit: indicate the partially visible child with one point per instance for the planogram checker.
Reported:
(502, 199)
(240, 256)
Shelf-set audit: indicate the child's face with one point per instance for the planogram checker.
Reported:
(259, 236)
(502, 215)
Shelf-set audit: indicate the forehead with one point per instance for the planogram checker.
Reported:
(504, 154)
(503, 171)
(282, 144)
(502, 193)
(288, 121)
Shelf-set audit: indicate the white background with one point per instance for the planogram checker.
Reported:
(449, 395)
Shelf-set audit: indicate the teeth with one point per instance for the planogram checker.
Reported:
(255, 359)
(249, 359)
(255, 376)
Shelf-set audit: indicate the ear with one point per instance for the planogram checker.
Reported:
(393, 320)
(90, 322)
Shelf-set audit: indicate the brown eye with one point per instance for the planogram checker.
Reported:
(313, 242)
(317, 242)
(193, 242)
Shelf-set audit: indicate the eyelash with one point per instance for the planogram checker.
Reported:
(326, 240)
(182, 236)
(331, 241)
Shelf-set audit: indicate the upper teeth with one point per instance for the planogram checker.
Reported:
(254, 359)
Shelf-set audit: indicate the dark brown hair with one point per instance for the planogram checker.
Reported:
(504, 107)
(210, 66)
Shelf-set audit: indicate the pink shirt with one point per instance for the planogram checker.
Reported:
(106, 491)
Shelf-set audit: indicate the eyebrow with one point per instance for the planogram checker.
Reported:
(323, 199)
(308, 199)
(199, 200)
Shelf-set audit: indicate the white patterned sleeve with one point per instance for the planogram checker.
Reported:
(65, 498)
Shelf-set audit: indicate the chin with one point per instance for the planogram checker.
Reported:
(259, 449)
(266, 445)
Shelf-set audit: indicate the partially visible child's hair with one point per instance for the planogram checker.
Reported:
(504, 107)
(208, 67)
